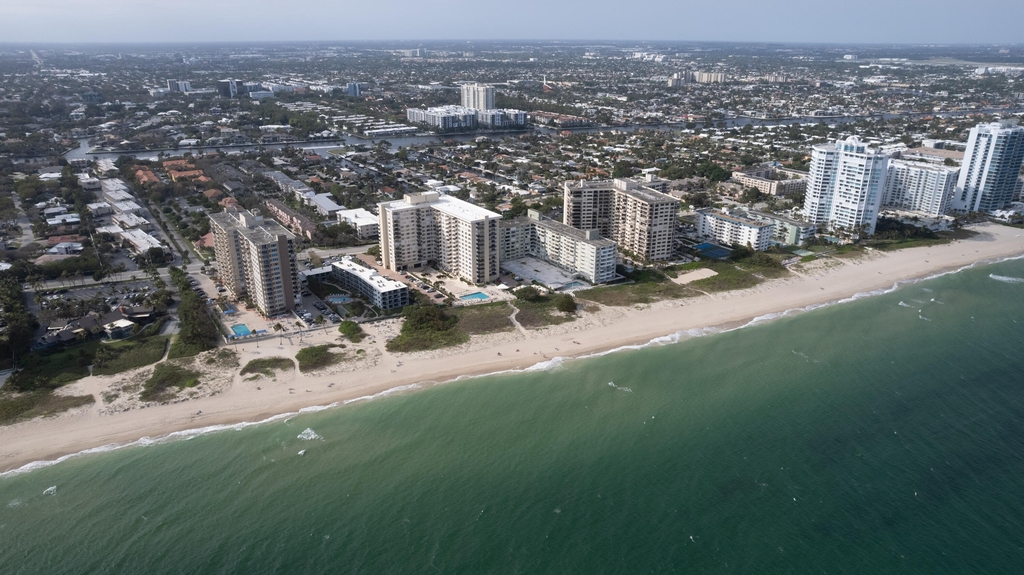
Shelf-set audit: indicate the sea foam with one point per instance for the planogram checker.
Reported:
(612, 384)
(1006, 279)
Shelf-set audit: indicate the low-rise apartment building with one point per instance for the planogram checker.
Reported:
(787, 231)
(444, 118)
(291, 219)
(366, 224)
(379, 290)
(581, 252)
(729, 228)
(772, 180)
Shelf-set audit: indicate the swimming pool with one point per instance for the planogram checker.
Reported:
(241, 330)
(338, 299)
(474, 295)
(573, 285)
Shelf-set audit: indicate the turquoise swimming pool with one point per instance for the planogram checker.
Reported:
(338, 299)
(474, 295)
(241, 329)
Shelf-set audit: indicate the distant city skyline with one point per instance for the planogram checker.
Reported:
(869, 21)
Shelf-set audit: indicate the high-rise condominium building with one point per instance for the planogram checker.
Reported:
(478, 96)
(430, 228)
(919, 187)
(845, 185)
(640, 219)
(991, 165)
(255, 258)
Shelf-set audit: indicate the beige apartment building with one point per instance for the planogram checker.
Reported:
(430, 228)
(256, 259)
(772, 180)
(639, 218)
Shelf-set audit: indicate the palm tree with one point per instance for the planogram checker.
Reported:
(319, 320)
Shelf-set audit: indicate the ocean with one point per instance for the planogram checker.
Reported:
(882, 435)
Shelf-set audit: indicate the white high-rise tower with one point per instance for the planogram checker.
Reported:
(845, 186)
(992, 163)
(478, 96)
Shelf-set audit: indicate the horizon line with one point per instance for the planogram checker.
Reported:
(498, 41)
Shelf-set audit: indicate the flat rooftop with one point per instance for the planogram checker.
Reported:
(790, 221)
(951, 154)
(449, 205)
(558, 227)
(649, 195)
(360, 216)
(531, 268)
(370, 276)
(740, 219)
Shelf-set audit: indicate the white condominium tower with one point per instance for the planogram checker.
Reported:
(478, 96)
(255, 258)
(991, 165)
(845, 185)
(430, 228)
(919, 187)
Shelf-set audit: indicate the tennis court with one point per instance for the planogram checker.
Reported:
(712, 251)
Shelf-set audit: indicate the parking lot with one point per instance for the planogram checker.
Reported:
(114, 294)
(313, 306)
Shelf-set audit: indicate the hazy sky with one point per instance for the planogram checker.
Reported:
(888, 21)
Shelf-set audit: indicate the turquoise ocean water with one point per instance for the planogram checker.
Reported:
(884, 435)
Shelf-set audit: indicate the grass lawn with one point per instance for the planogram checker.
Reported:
(318, 357)
(423, 340)
(118, 356)
(427, 327)
(940, 239)
(39, 403)
(267, 366)
(484, 318)
(729, 278)
(180, 349)
(540, 313)
(166, 380)
(648, 286)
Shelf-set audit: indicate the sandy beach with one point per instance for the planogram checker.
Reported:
(227, 398)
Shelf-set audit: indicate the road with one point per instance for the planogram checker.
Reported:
(325, 253)
(27, 236)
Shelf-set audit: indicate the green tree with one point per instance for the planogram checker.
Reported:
(565, 303)
(528, 293)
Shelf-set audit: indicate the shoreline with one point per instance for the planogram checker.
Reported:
(42, 442)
